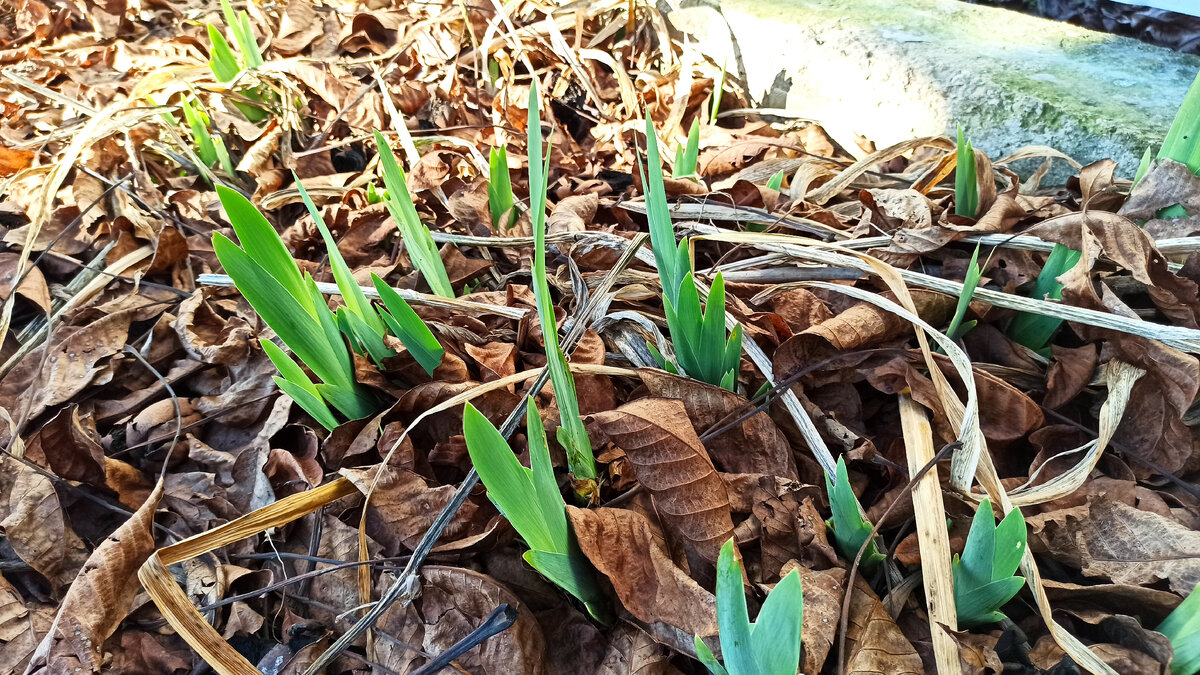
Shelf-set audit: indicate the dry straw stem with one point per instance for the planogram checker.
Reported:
(1183, 339)
(94, 286)
(412, 297)
(174, 604)
(932, 537)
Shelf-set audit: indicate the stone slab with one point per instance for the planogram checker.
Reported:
(896, 70)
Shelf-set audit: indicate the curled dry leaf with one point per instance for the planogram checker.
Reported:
(35, 525)
(69, 447)
(455, 601)
(668, 458)
(755, 446)
(99, 598)
(573, 214)
(619, 543)
(1127, 545)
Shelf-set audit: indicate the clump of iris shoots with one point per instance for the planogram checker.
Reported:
(702, 350)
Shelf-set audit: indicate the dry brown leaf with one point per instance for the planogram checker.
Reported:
(12, 161)
(35, 525)
(573, 214)
(33, 287)
(100, 598)
(403, 506)
(632, 652)
(74, 362)
(69, 447)
(874, 643)
(670, 461)
(1069, 373)
(755, 446)
(1105, 538)
(619, 543)
(455, 602)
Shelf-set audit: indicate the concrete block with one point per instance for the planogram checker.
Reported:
(895, 70)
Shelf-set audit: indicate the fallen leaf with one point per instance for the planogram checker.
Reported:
(754, 446)
(620, 545)
(670, 461)
(1121, 543)
(99, 598)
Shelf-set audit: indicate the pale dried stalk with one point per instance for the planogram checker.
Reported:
(1183, 339)
(174, 604)
(1120, 377)
(413, 297)
(985, 471)
(932, 537)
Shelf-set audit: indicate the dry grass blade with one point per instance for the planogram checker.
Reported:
(174, 604)
(1184, 339)
(412, 297)
(1120, 377)
(932, 536)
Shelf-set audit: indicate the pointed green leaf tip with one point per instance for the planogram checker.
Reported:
(983, 576)
(571, 433)
(530, 500)
(770, 645)
(1182, 628)
(850, 529)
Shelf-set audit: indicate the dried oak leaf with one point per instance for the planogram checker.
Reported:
(455, 601)
(668, 458)
(754, 446)
(34, 523)
(1127, 545)
(874, 642)
(619, 543)
(403, 507)
(99, 598)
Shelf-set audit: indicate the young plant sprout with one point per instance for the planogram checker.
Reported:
(290, 304)
(500, 195)
(718, 89)
(849, 527)
(226, 65)
(1035, 330)
(776, 181)
(530, 500)
(1182, 628)
(571, 434)
(957, 328)
(983, 576)
(365, 325)
(1182, 143)
(417, 239)
(210, 149)
(770, 645)
(687, 157)
(966, 183)
(701, 348)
